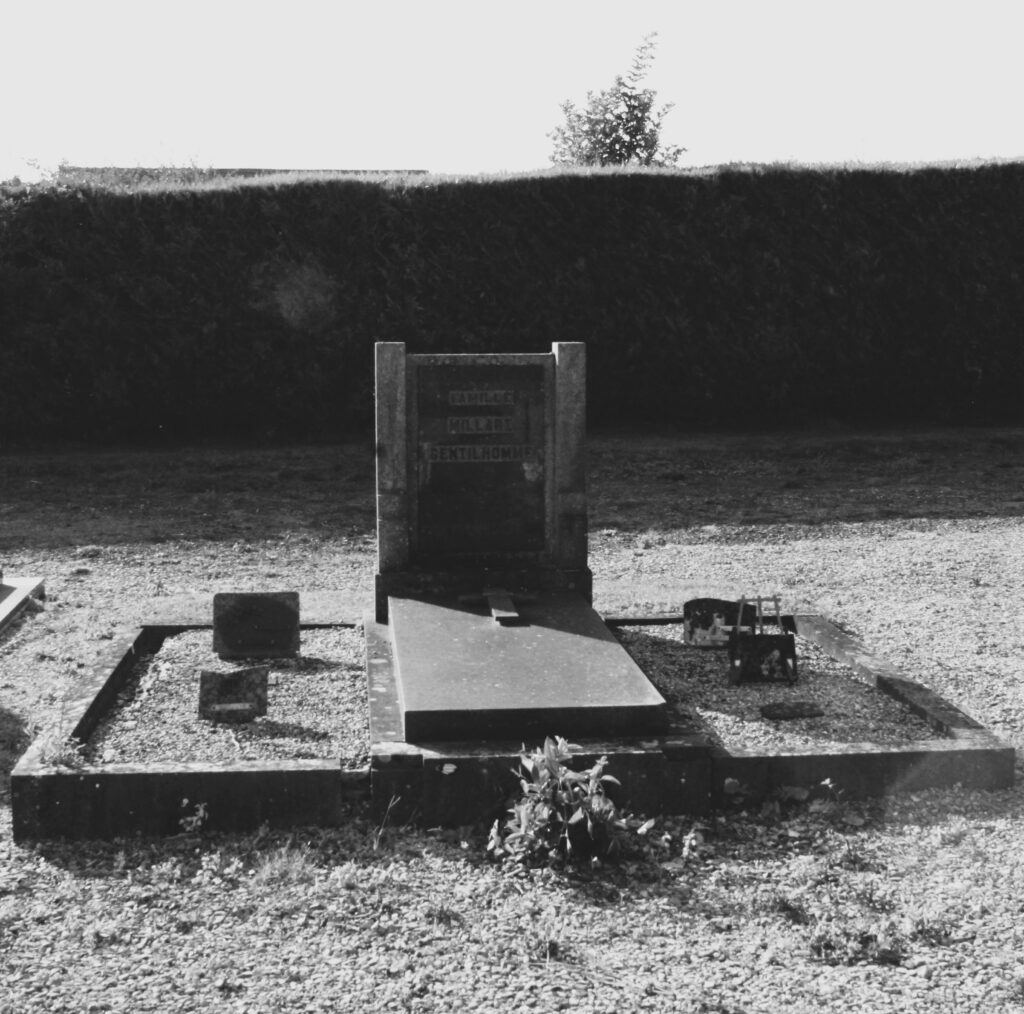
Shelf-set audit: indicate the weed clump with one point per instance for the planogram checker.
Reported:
(61, 751)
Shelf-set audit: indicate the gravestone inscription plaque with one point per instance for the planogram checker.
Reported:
(481, 462)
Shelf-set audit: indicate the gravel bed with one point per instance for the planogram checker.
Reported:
(695, 680)
(317, 706)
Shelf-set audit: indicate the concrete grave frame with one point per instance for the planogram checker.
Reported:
(468, 782)
(115, 800)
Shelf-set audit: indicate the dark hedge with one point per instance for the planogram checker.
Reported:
(764, 296)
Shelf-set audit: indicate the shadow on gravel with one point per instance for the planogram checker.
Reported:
(359, 845)
(659, 482)
(14, 741)
(270, 730)
(716, 867)
(637, 482)
(88, 497)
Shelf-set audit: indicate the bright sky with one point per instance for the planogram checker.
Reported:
(454, 86)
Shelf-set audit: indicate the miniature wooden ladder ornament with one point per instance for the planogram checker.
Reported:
(755, 656)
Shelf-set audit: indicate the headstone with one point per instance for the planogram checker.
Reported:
(238, 696)
(480, 472)
(482, 569)
(256, 624)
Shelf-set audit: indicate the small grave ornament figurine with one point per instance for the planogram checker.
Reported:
(707, 623)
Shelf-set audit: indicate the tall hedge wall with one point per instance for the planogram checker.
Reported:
(767, 296)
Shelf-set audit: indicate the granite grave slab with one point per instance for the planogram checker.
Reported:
(463, 674)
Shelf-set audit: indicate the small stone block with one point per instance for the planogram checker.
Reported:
(256, 624)
(238, 696)
(502, 607)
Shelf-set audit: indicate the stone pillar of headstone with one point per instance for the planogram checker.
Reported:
(392, 467)
(570, 456)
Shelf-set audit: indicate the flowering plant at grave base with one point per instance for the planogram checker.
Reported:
(562, 814)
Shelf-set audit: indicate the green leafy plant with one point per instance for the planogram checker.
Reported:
(379, 832)
(859, 942)
(542, 938)
(835, 806)
(193, 822)
(57, 746)
(220, 869)
(562, 814)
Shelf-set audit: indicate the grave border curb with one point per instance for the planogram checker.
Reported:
(441, 783)
(464, 783)
(120, 800)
